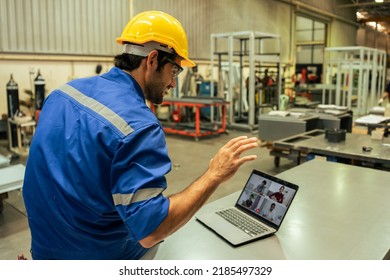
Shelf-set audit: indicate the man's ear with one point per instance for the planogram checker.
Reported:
(152, 58)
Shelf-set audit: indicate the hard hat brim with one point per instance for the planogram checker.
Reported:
(187, 63)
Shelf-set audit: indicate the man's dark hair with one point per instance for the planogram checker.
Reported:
(131, 62)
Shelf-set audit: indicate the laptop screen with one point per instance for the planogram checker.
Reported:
(267, 196)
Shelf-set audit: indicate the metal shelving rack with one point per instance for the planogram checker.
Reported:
(355, 71)
(243, 49)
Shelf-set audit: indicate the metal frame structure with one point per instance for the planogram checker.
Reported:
(368, 65)
(196, 129)
(245, 48)
(21, 149)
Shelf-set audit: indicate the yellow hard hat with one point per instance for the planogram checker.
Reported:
(155, 26)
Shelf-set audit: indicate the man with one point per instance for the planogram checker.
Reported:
(248, 203)
(261, 187)
(278, 196)
(97, 164)
(385, 95)
(270, 213)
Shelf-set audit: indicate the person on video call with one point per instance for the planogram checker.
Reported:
(261, 187)
(270, 213)
(278, 196)
(248, 203)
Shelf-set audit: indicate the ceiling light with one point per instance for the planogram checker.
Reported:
(376, 26)
(359, 15)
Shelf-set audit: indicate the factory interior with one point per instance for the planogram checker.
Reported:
(307, 78)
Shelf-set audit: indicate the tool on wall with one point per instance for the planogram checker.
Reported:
(12, 97)
(13, 106)
(39, 85)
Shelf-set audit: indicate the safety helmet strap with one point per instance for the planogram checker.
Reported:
(144, 49)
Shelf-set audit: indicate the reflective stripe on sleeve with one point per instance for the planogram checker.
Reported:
(140, 195)
(99, 108)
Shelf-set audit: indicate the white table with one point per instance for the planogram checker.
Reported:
(340, 212)
(4, 161)
(11, 177)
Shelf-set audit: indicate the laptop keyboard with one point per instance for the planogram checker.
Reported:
(242, 221)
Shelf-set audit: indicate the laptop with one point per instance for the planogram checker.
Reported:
(258, 213)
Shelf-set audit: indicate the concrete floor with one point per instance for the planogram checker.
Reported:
(190, 159)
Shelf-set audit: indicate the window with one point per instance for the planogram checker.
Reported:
(310, 40)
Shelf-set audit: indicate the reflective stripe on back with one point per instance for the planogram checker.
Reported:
(98, 108)
(140, 195)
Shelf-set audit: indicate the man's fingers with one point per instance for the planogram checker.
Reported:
(244, 145)
(245, 159)
(235, 141)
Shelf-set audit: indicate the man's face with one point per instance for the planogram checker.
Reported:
(161, 82)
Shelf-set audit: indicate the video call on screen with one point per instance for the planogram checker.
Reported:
(266, 198)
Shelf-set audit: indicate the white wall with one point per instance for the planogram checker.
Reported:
(341, 34)
(201, 18)
(55, 73)
(369, 38)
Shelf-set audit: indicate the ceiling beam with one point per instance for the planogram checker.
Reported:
(363, 4)
(376, 19)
